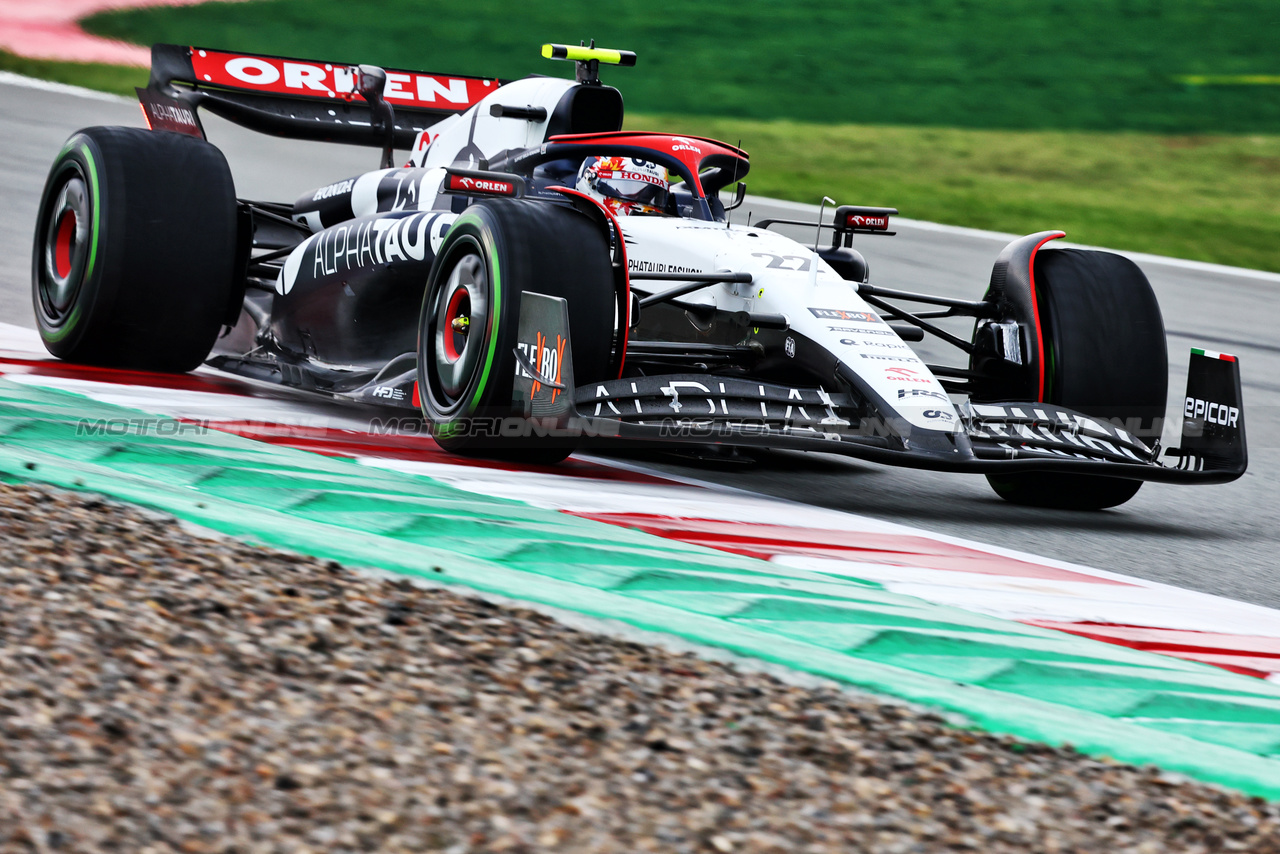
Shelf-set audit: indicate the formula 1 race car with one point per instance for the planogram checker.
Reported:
(536, 279)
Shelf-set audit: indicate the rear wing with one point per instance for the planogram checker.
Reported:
(298, 98)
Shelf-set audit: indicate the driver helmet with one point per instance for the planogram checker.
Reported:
(625, 185)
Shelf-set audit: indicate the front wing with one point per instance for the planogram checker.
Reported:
(989, 438)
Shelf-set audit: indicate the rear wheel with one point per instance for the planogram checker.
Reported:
(134, 258)
(468, 331)
(1104, 356)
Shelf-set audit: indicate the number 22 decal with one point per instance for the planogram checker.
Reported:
(778, 262)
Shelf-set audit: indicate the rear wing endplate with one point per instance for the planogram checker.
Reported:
(297, 98)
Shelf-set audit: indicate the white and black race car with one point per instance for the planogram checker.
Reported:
(536, 279)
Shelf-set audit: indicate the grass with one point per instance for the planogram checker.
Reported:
(1020, 64)
(1208, 198)
(93, 75)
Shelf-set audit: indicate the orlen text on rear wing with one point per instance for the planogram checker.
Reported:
(296, 98)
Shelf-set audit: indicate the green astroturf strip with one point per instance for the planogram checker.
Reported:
(1005, 677)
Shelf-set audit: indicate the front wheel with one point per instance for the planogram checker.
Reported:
(468, 332)
(1103, 354)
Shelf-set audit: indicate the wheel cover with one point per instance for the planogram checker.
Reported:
(459, 321)
(65, 250)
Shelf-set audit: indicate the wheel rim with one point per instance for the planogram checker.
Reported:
(66, 247)
(460, 319)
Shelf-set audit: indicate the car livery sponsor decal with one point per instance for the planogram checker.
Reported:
(845, 315)
(1213, 413)
(326, 80)
(170, 117)
(365, 243)
(334, 190)
(907, 393)
(614, 168)
(547, 357)
(543, 384)
(881, 358)
(878, 223)
(685, 406)
(883, 345)
(637, 266)
(905, 375)
(859, 331)
(467, 184)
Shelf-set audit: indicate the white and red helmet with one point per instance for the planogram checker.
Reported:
(624, 185)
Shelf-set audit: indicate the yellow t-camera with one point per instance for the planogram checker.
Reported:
(587, 54)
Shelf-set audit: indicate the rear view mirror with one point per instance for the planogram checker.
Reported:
(739, 196)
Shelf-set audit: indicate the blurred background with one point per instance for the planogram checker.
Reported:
(1150, 125)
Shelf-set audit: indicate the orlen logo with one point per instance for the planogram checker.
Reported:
(860, 221)
(326, 80)
(903, 375)
(481, 185)
(679, 143)
(1213, 413)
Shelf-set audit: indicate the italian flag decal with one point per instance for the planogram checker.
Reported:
(1226, 357)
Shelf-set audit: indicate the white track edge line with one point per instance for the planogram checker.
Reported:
(13, 79)
(965, 231)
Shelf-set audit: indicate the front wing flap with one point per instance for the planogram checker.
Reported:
(1018, 430)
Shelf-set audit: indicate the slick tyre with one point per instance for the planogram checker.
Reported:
(135, 245)
(1105, 356)
(468, 329)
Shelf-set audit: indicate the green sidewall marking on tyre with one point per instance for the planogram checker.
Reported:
(97, 210)
(495, 312)
(496, 278)
(447, 430)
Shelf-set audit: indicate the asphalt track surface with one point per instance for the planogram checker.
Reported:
(1218, 539)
